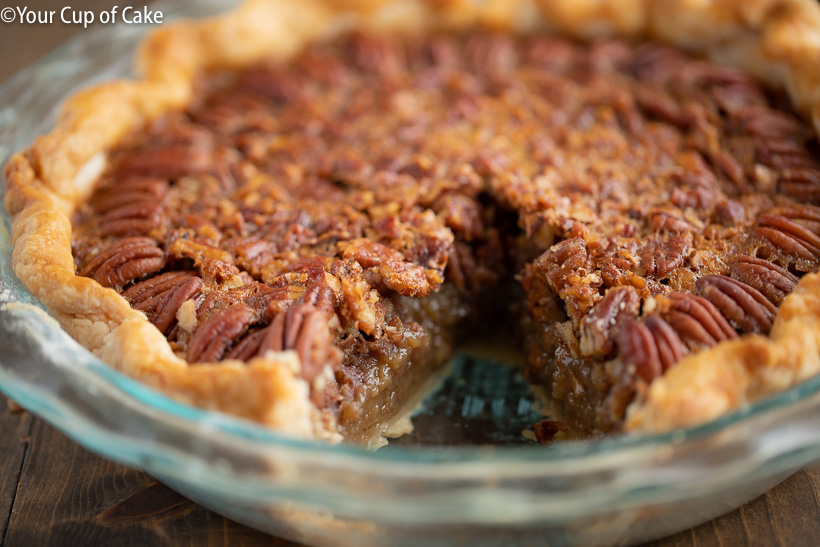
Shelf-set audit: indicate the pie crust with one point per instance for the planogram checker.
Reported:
(777, 41)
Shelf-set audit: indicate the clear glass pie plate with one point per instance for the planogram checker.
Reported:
(446, 484)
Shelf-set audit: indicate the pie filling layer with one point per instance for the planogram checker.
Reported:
(373, 200)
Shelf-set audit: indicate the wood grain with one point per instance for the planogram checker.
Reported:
(13, 442)
(54, 492)
(65, 495)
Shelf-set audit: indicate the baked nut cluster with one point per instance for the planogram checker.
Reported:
(356, 203)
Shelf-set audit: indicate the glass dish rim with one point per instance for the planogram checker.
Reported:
(247, 431)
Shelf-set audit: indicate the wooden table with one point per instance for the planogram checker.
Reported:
(54, 492)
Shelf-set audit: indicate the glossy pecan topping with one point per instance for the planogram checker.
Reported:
(563, 261)
(303, 328)
(145, 292)
(377, 54)
(695, 189)
(217, 333)
(652, 347)
(785, 155)
(744, 306)
(124, 261)
(660, 257)
(274, 83)
(137, 218)
(802, 184)
(278, 300)
(491, 53)
(358, 307)
(770, 124)
(393, 270)
(130, 190)
(638, 348)
(321, 297)
(659, 104)
(599, 329)
(697, 321)
(742, 100)
(565, 267)
(787, 236)
(669, 221)
(670, 346)
(808, 216)
(773, 281)
(130, 207)
(161, 296)
(167, 162)
(212, 262)
(376, 188)
(656, 63)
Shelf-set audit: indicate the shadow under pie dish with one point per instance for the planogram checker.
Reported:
(323, 212)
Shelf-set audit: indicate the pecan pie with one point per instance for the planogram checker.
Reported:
(298, 226)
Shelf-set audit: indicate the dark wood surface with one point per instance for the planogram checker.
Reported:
(54, 492)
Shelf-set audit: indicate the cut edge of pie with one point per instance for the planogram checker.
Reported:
(777, 41)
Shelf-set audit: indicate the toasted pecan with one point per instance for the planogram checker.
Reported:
(742, 305)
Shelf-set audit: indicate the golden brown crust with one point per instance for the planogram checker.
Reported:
(775, 39)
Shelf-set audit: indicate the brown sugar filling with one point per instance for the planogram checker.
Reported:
(368, 202)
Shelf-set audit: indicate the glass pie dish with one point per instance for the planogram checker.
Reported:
(618, 490)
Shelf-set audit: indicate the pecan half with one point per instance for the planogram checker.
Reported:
(128, 191)
(638, 348)
(669, 345)
(801, 184)
(787, 236)
(727, 163)
(661, 257)
(166, 311)
(491, 53)
(136, 218)
(657, 63)
(743, 306)
(247, 348)
(599, 329)
(668, 221)
(124, 261)
(218, 332)
(697, 321)
(609, 54)
(378, 54)
(273, 83)
(739, 99)
(773, 282)
(168, 162)
(659, 104)
(785, 154)
(302, 328)
(142, 295)
(321, 297)
(808, 216)
(770, 124)
(696, 189)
